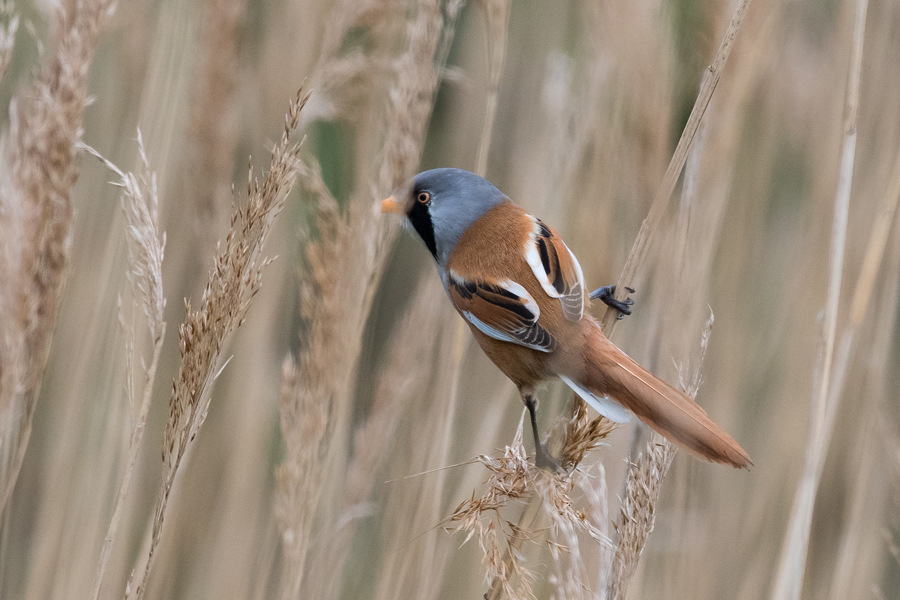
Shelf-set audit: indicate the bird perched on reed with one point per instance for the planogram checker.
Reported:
(522, 293)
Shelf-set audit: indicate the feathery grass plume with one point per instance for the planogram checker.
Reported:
(515, 480)
(582, 434)
(35, 217)
(512, 477)
(7, 34)
(345, 264)
(638, 512)
(643, 485)
(570, 576)
(213, 127)
(146, 247)
(234, 281)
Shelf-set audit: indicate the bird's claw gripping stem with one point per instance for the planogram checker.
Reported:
(607, 295)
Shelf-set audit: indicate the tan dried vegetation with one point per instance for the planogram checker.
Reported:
(335, 433)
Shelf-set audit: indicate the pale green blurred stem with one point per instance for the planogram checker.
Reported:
(856, 562)
(134, 446)
(792, 565)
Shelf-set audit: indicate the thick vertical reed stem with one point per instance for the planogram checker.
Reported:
(789, 580)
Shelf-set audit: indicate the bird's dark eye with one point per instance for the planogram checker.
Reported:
(423, 197)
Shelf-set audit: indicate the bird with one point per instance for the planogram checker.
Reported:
(522, 293)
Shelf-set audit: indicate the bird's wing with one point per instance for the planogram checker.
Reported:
(556, 268)
(502, 309)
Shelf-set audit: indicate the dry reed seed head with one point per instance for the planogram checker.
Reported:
(569, 575)
(638, 511)
(234, 280)
(306, 426)
(342, 85)
(213, 115)
(348, 15)
(514, 478)
(643, 485)
(691, 385)
(45, 125)
(146, 245)
(583, 434)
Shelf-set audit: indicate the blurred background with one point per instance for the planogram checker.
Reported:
(590, 97)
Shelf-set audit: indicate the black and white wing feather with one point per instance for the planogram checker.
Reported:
(556, 268)
(502, 309)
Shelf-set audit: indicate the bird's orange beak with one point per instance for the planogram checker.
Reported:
(389, 205)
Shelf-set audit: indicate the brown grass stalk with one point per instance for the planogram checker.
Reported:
(667, 186)
(234, 281)
(308, 389)
(883, 223)
(213, 122)
(418, 566)
(146, 246)
(35, 221)
(345, 265)
(497, 17)
(396, 389)
(792, 563)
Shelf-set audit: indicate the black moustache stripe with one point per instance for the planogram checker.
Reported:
(420, 219)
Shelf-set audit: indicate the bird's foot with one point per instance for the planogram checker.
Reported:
(607, 295)
(543, 460)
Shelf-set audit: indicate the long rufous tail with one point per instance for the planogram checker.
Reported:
(610, 372)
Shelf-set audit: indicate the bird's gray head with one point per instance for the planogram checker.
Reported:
(441, 204)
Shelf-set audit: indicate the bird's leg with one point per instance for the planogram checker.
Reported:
(542, 458)
(607, 294)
